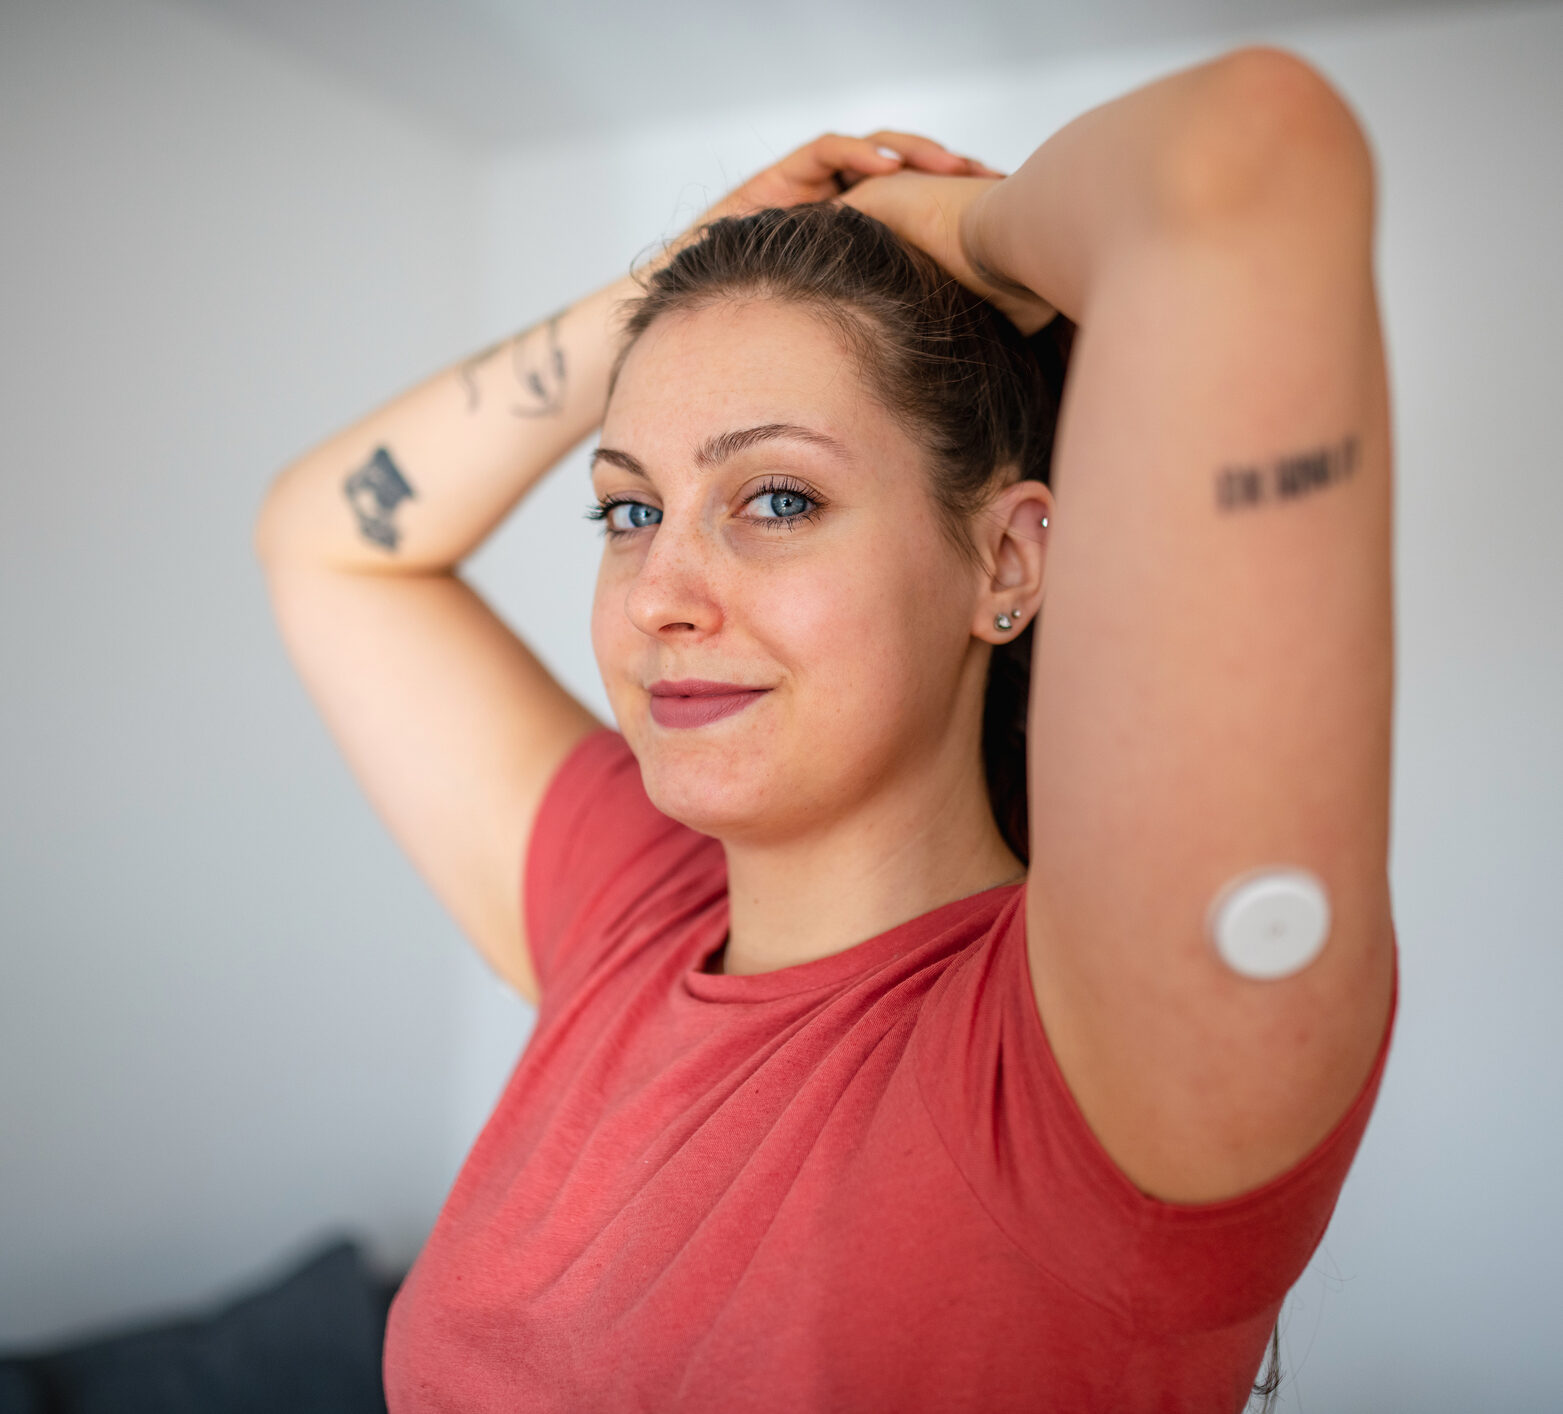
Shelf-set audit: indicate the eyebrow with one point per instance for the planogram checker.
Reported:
(716, 450)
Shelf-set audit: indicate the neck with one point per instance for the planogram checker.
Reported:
(910, 849)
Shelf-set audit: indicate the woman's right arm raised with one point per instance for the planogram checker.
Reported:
(450, 723)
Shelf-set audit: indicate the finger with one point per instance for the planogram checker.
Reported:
(847, 177)
(821, 159)
(919, 151)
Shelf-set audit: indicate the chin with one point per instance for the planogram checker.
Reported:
(719, 783)
(712, 791)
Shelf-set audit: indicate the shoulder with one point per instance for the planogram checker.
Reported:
(602, 856)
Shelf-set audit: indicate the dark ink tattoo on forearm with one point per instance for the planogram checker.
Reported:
(374, 491)
(1286, 478)
(469, 368)
(540, 372)
(539, 366)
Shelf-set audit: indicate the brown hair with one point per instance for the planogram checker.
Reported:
(978, 396)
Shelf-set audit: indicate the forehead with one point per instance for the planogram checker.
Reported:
(740, 363)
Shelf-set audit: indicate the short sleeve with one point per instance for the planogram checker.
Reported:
(599, 853)
(1000, 1101)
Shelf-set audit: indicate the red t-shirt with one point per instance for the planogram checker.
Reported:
(859, 1183)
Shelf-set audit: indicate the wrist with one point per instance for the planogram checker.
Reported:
(971, 231)
(980, 241)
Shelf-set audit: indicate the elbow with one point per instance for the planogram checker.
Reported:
(1268, 127)
(276, 522)
(263, 534)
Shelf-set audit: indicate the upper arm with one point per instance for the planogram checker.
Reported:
(1213, 675)
(450, 723)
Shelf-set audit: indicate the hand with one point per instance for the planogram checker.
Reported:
(833, 164)
(935, 212)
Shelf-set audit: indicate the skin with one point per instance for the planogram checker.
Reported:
(850, 797)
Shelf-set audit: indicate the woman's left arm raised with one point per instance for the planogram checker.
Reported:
(1213, 674)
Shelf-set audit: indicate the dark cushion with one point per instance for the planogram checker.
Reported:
(308, 1344)
(19, 1392)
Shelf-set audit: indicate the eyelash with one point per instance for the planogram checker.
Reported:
(772, 486)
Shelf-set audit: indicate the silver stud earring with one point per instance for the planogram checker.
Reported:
(1044, 521)
(1003, 622)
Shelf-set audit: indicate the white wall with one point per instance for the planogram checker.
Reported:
(231, 1014)
(228, 1012)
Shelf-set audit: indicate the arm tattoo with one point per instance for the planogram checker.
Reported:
(374, 491)
(1287, 478)
(539, 368)
(471, 365)
(540, 373)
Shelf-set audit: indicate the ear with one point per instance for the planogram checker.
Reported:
(1011, 535)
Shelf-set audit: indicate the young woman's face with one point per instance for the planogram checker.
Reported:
(810, 567)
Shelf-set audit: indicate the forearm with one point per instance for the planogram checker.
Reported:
(418, 484)
(1201, 141)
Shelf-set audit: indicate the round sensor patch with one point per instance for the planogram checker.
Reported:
(1270, 922)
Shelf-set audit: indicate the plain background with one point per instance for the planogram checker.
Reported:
(232, 1019)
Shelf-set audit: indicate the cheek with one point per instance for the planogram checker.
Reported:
(798, 619)
(613, 635)
(913, 641)
(857, 628)
(601, 603)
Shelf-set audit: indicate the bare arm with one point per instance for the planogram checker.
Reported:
(1207, 144)
(418, 484)
(450, 722)
(1213, 670)
(1212, 675)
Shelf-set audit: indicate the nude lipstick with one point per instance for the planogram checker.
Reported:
(694, 702)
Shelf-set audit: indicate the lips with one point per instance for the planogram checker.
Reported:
(696, 702)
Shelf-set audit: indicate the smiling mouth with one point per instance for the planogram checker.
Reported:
(700, 709)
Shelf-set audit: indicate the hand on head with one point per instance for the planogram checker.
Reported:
(916, 186)
(834, 163)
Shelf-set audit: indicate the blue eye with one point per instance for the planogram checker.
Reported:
(639, 515)
(790, 504)
(785, 505)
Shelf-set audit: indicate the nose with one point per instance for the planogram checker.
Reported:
(673, 591)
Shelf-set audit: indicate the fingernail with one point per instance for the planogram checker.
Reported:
(889, 152)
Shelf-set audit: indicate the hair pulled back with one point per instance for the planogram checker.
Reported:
(978, 396)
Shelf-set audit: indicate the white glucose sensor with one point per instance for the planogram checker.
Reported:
(1270, 922)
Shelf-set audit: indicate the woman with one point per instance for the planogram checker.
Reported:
(901, 1046)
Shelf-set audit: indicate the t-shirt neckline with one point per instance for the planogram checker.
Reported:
(824, 972)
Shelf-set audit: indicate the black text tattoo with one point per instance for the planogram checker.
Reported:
(1287, 478)
(539, 366)
(374, 491)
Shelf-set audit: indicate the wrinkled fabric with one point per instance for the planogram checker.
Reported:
(860, 1183)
